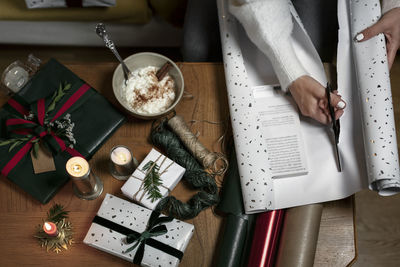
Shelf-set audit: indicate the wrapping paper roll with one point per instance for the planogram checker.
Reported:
(373, 81)
(243, 122)
(299, 236)
(367, 145)
(266, 238)
(235, 244)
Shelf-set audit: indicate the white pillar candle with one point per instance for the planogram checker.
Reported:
(86, 184)
(77, 167)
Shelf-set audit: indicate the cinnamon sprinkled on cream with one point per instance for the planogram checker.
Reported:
(145, 94)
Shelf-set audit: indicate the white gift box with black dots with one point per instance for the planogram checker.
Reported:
(122, 214)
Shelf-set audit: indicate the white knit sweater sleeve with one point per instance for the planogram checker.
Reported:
(268, 23)
(387, 5)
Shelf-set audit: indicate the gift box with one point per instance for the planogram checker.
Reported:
(68, 3)
(137, 234)
(53, 98)
(170, 173)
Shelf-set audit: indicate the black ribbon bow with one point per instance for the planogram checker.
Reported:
(154, 227)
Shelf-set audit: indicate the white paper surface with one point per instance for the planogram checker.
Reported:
(246, 66)
(135, 217)
(280, 125)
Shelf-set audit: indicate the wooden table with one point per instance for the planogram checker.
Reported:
(20, 213)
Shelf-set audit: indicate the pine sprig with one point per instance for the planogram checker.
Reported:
(59, 242)
(152, 181)
(36, 147)
(58, 94)
(14, 142)
(57, 213)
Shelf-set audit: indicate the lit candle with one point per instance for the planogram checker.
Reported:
(86, 184)
(122, 162)
(77, 167)
(121, 155)
(50, 229)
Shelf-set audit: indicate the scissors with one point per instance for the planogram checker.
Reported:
(335, 125)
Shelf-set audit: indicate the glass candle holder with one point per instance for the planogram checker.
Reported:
(17, 74)
(122, 163)
(85, 183)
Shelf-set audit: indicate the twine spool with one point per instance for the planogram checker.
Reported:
(216, 162)
(200, 180)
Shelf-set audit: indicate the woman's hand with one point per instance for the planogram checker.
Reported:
(389, 25)
(311, 98)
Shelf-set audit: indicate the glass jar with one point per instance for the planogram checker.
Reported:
(17, 74)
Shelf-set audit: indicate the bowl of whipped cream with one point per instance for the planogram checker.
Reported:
(154, 87)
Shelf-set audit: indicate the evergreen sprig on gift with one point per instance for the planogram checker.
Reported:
(58, 94)
(36, 147)
(152, 181)
(57, 213)
(14, 141)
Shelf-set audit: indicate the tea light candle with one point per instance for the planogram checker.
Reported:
(86, 184)
(122, 162)
(121, 155)
(50, 229)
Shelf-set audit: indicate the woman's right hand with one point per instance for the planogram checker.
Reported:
(311, 99)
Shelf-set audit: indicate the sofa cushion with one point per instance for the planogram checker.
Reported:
(68, 3)
(172, 11)
(126, 11)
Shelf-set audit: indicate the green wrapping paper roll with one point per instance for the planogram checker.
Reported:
(235, 244)
(299, 236)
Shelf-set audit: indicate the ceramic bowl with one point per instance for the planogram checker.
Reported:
(141, 60)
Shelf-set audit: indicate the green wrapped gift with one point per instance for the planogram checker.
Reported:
(59, 112)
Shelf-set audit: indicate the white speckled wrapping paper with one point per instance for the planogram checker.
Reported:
(170, 178)
(247, 67)
(376, 105)
(255, 180)
(135, 217)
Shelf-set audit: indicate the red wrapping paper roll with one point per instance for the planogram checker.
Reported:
(265, 240)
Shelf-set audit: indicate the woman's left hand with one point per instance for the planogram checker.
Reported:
(389, 25)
